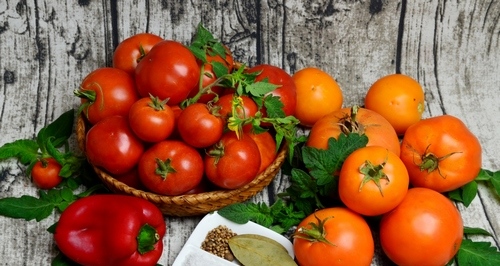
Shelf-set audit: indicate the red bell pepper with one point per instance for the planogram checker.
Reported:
(111, 230)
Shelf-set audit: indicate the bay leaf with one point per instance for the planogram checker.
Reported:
(257, 250)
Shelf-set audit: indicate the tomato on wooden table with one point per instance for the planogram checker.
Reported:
(151, 119)
(441, 153)
(45, 173)
(424, 229)
(200, 125)
(112, 145)
(354, 120)
(372, 181)
(169, 70)
(171, 167)
(333, 236)
(130, 51)
(106, 92)
(233, 162)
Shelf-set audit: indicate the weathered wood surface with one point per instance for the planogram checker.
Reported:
(451, 47)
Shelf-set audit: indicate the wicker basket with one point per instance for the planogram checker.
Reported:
(193, 204)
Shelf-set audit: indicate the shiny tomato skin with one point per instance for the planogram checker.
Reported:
(151, 119)
(367, 199)
(111, 145)
(186, 170)
(378, 130)
(425, 222)
(286, 90)
(267, 148)
(198, 127)
(169, 70)
(45, 173)
(114, 90)
(446, 142)
(349, 234)
(237, 164)
(398, 98)
(130, 51)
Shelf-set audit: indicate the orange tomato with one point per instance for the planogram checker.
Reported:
(362, 121)
(424, 229)
(318, 94)
(333, 236)
(441, 153)
(398, 98)
(372, 181)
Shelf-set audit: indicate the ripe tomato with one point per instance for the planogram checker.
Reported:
(171, 167)
(130, 51)
(333, 236)
(425, 222)
(441, 153)
(131, 179)
(169, 70)
(245, 107)
(318, 94)
(151, 119)
(106, 92)
(267, 148)
(209, 76)
(372, 181)
(364, 121)
(398, 98)
(286, 90)
(112, 145)
(232, 162)
(45, 173)
(199, 127)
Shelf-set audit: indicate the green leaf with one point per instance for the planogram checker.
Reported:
(477, 253)
(26, 207)
(484, 175)
(219, 69)
(58, 131)
(241, 213)
(464, 194)
(26, 151)
(274, 107)
(475, 231)
(260, 88)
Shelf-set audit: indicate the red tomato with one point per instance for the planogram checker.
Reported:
(171, 167)
(424, 229)
(131, 179)
(45, 173)
(372, 181)
(199, 127)
(378, 130)
(130, 51)
(169, 70)
(151, 119)
(232, 162)
(286, 90)
(441, 153)
(106, 92)
(209, 76)
(267, 148)
(112, 145)
(333, 236)
(245, 108)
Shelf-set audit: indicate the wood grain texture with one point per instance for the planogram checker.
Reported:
(451, 47)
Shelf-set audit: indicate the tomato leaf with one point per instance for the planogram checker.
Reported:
(241, 213)
(477, 253)
(490, 177)
(464, 194)
(475, 231)
(58, 131)
(26, 207)
(219, 69)
(25, 150)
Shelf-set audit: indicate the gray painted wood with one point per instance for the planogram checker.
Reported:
(451, 47)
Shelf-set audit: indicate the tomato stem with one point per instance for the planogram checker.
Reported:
(349, 124)
(373, 173)
(164, 167)
(430, 162)
(315, 233)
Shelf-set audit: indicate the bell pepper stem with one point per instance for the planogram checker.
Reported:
(147, 238)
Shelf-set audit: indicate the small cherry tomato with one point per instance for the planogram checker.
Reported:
(372, 181)
(398, 98)
(151, 119)
(112, 145)
(318, 94)
(441, 153)
(130, 51)
(233, 162)
(333, 236)
(106, 92)
(45, 173)
(199, 127)
(425, 222)
(171, 167)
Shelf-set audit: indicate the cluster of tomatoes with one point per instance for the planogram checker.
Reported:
(399, 177)
(176, 119)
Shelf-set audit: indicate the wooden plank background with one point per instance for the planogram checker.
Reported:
(451, 47)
